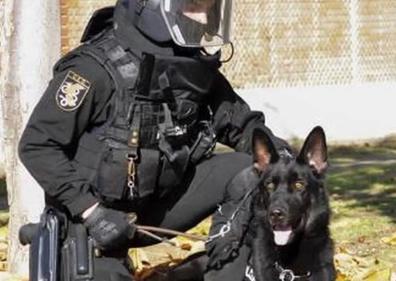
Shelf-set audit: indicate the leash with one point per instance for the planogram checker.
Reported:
(156, 237)
(148, 231)
(144, 229)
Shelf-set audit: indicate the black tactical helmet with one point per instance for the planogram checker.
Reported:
(148, 19)
(189, 23)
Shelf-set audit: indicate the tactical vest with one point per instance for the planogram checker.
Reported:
(158, 127)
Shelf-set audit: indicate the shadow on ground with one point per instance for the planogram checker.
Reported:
(3, 195)
(366, 177)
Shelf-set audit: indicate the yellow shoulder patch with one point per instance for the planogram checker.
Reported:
(72, 92)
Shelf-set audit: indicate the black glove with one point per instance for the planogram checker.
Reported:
(109, 228)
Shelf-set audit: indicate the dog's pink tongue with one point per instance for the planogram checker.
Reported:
(281, 237)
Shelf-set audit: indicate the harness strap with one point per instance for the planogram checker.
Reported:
(123, 68)
(227, 227)
(168, 123)
(134, 137)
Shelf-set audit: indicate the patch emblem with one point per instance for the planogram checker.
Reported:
(72, 92)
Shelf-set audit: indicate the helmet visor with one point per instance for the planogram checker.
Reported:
(198, 23)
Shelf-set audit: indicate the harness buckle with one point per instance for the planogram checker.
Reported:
(287, 275)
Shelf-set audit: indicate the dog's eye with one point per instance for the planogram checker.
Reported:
(270, 186)
(299, 186)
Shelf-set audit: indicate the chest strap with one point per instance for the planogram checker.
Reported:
(123, 68)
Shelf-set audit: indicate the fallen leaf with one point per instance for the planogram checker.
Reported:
(341, 277)
(186, 246)
(344, 250)
(139, 258)
(391, 240)
(379, 275)
(362, 239)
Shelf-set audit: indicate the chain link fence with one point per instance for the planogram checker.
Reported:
(292, 42)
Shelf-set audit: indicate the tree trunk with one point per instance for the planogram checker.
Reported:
(30, 44)
(3, 30)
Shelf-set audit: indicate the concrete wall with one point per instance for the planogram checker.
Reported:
(352, 112)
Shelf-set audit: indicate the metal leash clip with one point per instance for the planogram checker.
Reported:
(249, 273)
(132, 175)
(288, 274)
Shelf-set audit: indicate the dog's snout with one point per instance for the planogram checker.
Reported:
(277, 215)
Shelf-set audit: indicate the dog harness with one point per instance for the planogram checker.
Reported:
(288, 274)
(284, 273)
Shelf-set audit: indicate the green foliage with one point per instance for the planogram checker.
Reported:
(362, 187)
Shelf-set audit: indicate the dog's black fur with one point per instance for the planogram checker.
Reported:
(292, 198)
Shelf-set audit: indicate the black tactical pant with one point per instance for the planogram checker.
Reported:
(181, 209)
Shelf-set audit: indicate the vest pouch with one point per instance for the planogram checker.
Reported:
(148, 169)
(175, 163)
(113, 174)
(169, 179)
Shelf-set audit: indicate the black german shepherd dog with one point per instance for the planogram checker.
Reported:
(291, 212)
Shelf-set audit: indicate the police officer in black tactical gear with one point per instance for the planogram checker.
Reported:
(129, 122)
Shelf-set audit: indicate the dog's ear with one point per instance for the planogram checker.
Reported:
(314, 151)
(264, 152)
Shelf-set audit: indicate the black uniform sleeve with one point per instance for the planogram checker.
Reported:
(234, 121)
(52, 132)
